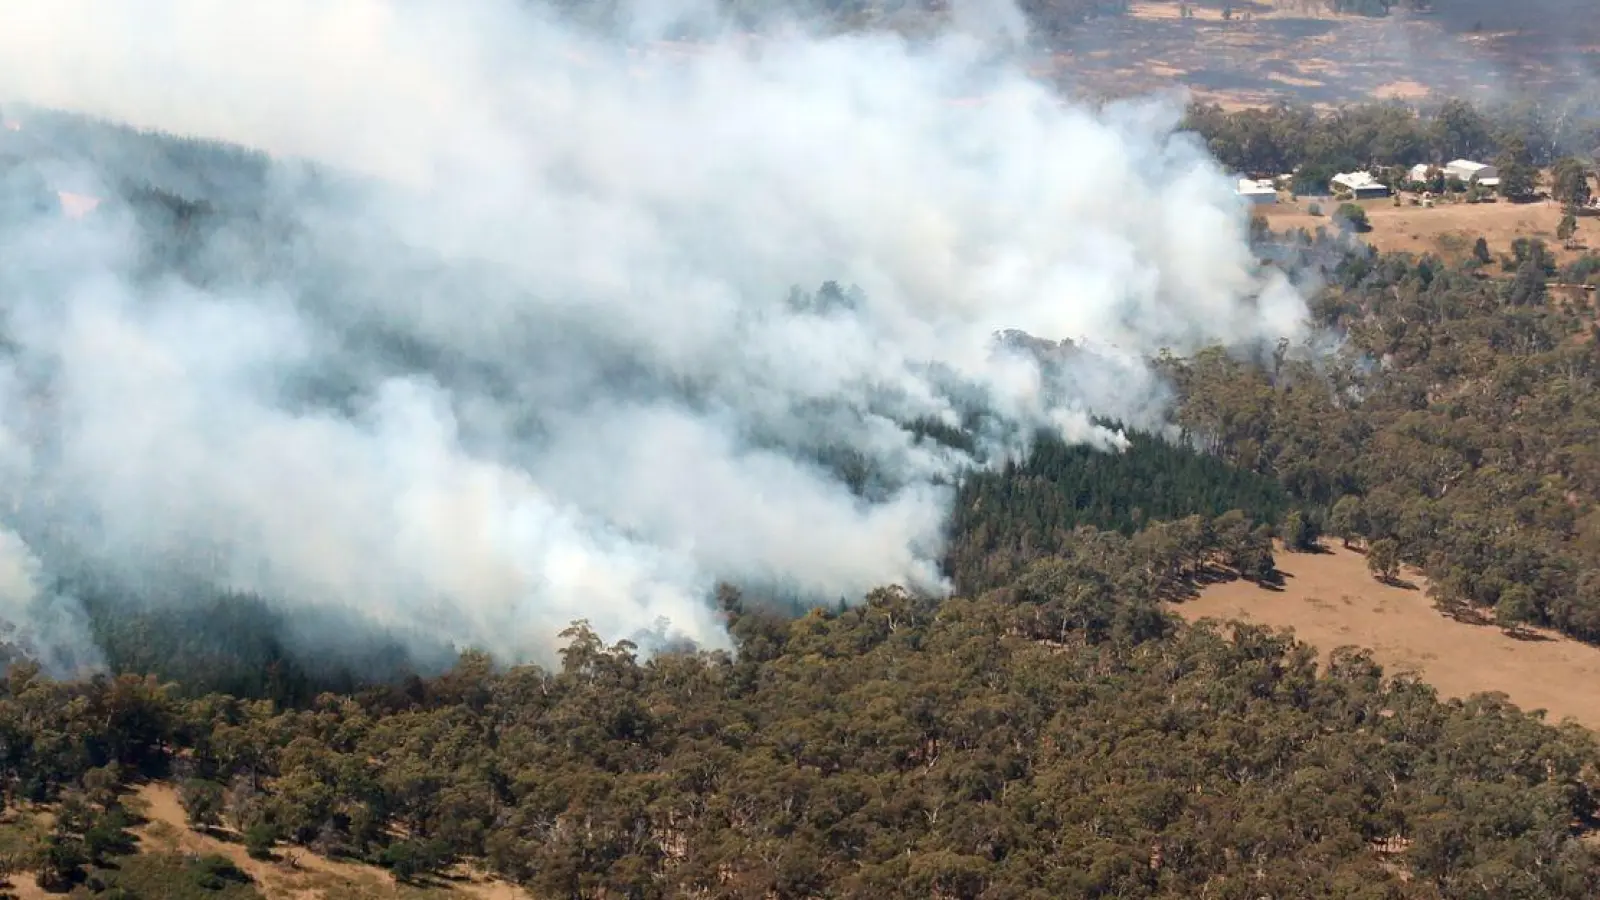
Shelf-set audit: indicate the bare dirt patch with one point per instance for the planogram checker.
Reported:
(1330, 600)
(24, 887)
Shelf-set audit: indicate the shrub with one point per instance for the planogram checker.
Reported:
(1354, 216)
(215, 872)
(258, 840)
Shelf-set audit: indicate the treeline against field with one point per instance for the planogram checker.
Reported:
(1315, 145)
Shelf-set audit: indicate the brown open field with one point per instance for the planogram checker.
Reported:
(1276, 50)
(1330, 600)
(1447, 230)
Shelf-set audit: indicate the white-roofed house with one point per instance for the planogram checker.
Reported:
(1256, 192)
(1360, 184)
(1466, 171)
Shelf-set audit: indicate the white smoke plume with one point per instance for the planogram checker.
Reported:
(547, 363)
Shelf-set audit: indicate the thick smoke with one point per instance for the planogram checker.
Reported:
(547, 359)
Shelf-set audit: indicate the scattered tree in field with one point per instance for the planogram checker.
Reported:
(1515, 609)
(1569, 182)
(1534, 251)
(1383, 559)
(1567, 229)
(1347, 520)
(202, 802)
(1518, 177)
(259, 839)
(1298, 534)
(1480, 251)
(1355, 216)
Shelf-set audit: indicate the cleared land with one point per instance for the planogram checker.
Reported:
(1268, 52)
(1447, 230)
(1330, 600)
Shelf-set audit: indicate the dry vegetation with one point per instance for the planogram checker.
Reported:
(1447, 229)
(1330, 600)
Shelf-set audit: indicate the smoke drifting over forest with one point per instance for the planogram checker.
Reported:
(547, 360)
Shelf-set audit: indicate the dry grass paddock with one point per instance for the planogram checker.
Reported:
(1330, 600)
(1449, 229)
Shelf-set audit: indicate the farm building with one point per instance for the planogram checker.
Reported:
(1361, 184)
(1419, 172)
(1467, 171)
(1257, 192)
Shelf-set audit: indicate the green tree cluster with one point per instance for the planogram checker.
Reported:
(1315, 144)
(1518, 176)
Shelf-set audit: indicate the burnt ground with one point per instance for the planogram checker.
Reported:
(1290, 50)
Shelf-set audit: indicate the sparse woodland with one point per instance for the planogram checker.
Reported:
(1050, 732)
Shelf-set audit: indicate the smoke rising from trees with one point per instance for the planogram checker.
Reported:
(542, 356)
